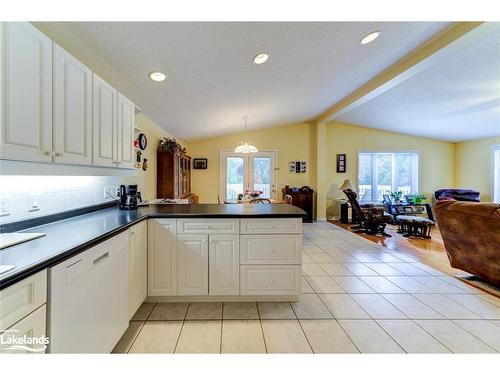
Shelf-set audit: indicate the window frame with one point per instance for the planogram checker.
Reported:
(386, 151)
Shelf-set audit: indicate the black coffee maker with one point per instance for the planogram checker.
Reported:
(128, 197)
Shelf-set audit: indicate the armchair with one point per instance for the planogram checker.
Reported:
(372, 220)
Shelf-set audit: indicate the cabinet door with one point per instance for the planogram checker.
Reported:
(72, 110)
(125, 139)
(25, 93)
(104, 124)
(162, 257)
(224, 265)
(138, 267)
(193, 265)
(32, 327)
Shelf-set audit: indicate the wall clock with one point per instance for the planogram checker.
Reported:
(143, 141)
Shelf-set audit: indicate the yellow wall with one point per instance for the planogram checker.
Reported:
(473, 166)
(291, 141)
(147, 179)
(437, 162)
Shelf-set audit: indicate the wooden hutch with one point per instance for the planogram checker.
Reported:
(173, 175)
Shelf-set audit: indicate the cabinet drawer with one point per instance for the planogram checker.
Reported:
(271, 249)
(270, 280)
(33, 328)
(22, 298)
(268, 226)
(208, 226)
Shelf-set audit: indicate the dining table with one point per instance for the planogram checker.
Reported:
(247, 201)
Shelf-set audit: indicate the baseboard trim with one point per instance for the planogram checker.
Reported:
(282, 298)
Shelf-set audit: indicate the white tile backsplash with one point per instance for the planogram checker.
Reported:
(52, 194)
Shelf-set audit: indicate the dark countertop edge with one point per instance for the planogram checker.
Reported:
(52, 261)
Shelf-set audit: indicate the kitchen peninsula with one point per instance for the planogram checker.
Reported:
(110, 261)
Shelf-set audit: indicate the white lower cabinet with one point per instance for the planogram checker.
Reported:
(192, 264)
(138, 267)
(224, 264)
(200, 257)
(23, 315)
(162, 257)
(89, 298)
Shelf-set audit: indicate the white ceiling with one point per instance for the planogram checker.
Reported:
(455, 97)
(211, 81)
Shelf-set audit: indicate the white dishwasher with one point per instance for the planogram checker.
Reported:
(88, 299)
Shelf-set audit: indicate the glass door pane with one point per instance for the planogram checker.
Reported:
(262, 176)
(235, 176)
(384, 175)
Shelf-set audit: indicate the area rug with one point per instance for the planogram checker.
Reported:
(479, 284)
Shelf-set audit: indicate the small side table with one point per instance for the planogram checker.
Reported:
(344, 214)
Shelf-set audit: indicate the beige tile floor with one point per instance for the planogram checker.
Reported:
(356, 298)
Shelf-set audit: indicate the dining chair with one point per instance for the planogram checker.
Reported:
(260, 200)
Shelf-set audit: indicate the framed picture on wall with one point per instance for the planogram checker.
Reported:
(200, 163)
(341, 163)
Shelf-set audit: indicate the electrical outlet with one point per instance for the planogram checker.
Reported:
(34, 206)
(4, 207)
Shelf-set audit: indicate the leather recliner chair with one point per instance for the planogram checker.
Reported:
(471, 236)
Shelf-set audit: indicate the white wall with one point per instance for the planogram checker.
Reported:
(52, 193)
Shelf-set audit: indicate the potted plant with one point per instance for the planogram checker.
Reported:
(396, 196)
(417, 198)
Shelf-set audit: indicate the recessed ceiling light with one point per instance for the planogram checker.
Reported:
(261, 58)
(370, 37)
(157, 76)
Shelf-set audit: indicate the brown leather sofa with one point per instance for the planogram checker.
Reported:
(471, 235)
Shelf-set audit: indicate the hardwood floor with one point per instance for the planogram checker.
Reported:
(430, 252)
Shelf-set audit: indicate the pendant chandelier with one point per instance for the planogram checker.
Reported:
(245, 146)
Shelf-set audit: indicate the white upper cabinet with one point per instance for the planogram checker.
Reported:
(26, 93)
(72, 110)
(105, 124)
(125, 141)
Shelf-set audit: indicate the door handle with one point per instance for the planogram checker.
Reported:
(102, 257)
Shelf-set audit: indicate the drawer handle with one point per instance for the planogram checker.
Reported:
(74, 263)
(271, 281)
(102, 257)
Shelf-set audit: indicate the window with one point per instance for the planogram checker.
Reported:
(241, 172)
(381, 173)
(496, 174)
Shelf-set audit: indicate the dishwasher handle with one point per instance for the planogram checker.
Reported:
(101, 258)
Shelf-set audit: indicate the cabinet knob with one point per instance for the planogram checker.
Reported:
(271, 281)
(46, 153)
(271, 250)
(58, 154)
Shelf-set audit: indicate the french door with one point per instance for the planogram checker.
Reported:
(241, 172)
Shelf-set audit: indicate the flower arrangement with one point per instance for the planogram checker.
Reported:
(171, 145)
(253, 194)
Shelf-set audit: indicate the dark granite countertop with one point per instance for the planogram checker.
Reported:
(70, 236)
